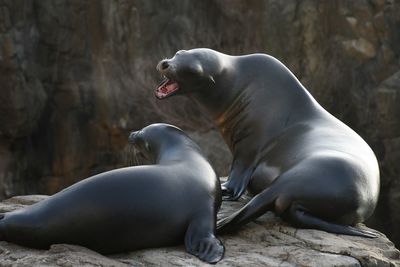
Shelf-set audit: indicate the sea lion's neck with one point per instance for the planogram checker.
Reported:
(176, 151)
(269, 91)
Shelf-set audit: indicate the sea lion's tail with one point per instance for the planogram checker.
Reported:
(308, 221)
(350, 230)
(265, 201)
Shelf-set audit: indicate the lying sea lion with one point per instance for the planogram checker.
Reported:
(172, 201)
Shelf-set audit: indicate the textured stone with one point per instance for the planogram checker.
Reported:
(22, 98)
(266, 242)
(360, 48)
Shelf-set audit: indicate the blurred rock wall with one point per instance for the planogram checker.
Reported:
(76, 76)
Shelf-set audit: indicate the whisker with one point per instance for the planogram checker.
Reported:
(135, 156)
(135, 159)
(128, 156)
(131, 158)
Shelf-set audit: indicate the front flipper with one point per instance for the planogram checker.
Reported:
(208, 249)
(202, 243)
(237, 182)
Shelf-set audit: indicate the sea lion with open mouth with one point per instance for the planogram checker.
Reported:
(295, 157)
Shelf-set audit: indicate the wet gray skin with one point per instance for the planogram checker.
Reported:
(172, 200)
(290, 153)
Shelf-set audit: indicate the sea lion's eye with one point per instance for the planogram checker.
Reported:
(195, 68)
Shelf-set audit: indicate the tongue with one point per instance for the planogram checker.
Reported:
(166, 89)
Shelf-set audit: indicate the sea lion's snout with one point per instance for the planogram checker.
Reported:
(163, 65)
(132, 137)
(168, 86)
(136, 141)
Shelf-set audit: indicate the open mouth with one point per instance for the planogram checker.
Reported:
(166, 88)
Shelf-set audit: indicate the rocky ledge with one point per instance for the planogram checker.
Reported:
(266, 242)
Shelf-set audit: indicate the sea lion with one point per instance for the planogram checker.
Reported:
(295, 157)
(175, 200)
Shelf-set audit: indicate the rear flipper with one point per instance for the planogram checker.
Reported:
(269, 200)
(305, 220)
(202, 243)
(256, 207)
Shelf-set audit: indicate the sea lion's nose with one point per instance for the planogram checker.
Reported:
(132, 136)
(163, 65)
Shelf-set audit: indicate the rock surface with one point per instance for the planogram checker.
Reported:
(76, 76)
(266, 242)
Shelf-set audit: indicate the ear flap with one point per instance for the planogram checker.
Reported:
(146, 144)
(198, 69)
